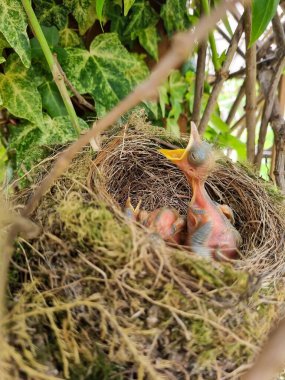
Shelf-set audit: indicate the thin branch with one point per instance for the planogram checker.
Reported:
(260, 99)
(199, 81)
(79, 97)
(222, 76)
(271, 92)
(270, 362)
(58, 78)
(236, 104)
(228, 39)
(215, 55)
(250, 90)
(182, 46)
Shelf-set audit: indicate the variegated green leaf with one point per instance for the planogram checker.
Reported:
(148, 39)
(50, 12)
(13, 25)
(108, 71)
(3, 44)
(127, 6)
(33, 138)
(69, 38)
(142, 16)
(19, 93)
(84, 12)
(174, 15)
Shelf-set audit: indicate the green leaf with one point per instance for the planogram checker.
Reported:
(262, 13)
(163, 97)
(29, 140)
(3, 44)
(142, 16)
(172, 127)
(220, 125)
(19, 93)
(108, 71)
(127, 6)
(99, 9)
(49, 13)
(69, 38)
(52, 100)
(52, 37)
(177, 86)
(174, 15)
(148, 39)
(13, 25)
(84, 12)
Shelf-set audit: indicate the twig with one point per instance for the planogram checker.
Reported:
(236, 104)
(78, 96)
(250, 91)
(181, 48)
(215, 56)
(270, 362)
(57, 76)
(260, 99)
(199, 82)
(222, 76)
(228, 39)
(271, 93)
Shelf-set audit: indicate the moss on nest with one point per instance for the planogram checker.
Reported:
(98, 297)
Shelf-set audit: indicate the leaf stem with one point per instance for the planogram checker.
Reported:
(57, 76)
(215, 56)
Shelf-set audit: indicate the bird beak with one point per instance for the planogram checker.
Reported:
(177, 155)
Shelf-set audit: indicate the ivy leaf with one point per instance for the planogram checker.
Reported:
(13, 25)
(19, 93)
(148, 39)
(69, 38)
(52, 100)
(174, 15)
(52, 37)
(142, 16)
(177, 86)
(99, 9)
(3, 44)
(84, 13)
(108, 71)
(127, 6)
(49, 13)
(33, 138)
(262, 13)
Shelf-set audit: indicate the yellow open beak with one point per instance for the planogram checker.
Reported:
(173, 155)
(178, 154)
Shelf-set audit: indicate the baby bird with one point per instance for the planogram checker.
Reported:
(165, 222)
(209, 230)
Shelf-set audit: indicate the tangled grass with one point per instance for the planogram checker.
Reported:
(96, 297)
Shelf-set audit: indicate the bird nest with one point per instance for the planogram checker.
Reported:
(95, 296)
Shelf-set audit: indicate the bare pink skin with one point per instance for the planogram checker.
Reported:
(164, 221)
(221, 239)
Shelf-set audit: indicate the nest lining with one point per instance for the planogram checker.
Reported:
(101, 299)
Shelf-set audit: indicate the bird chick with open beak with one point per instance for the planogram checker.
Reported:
(209, 230)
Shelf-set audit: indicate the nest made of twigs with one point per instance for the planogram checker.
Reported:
(94, 296)
(132, 167)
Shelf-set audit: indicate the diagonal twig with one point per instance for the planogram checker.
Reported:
(236, 104)
(222, 76)
(79, 97)
(182, 46)
(271, 92)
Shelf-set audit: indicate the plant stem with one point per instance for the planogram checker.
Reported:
(57, 76)
(215, 56)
